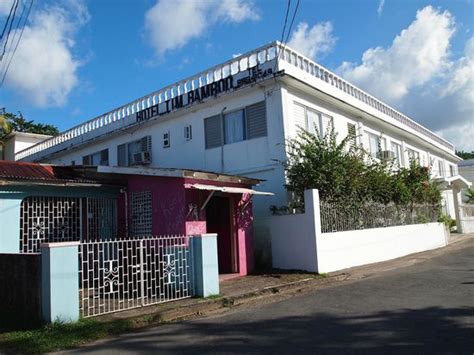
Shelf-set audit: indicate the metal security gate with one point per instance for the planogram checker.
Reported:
(49, 219)
(45, 219)
(101, 218)
(124, 274)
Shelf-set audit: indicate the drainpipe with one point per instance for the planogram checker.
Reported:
(125, 196)
(222, 139)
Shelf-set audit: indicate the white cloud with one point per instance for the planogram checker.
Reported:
(380, 8)
(171, 24)
(44, 69)
(416, 55)
(418, 75)
(5, 6)
(313, 41)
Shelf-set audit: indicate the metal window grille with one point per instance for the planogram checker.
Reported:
(48, 219)
(124, 274)
(141, 213)
(45, 219)
(101, 218)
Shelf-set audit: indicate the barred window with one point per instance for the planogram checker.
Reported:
(141, 213)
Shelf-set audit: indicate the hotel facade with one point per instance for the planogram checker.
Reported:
(236, 117)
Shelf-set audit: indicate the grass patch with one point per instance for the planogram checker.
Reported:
(213, 297)
(58, 336)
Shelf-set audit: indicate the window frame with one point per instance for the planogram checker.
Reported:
(90, 158)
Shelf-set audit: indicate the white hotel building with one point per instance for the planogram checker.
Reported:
(236, 117)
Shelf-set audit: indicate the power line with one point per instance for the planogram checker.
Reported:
(286, 20)
(9, 30)
(17, 43)
(8, 20)
(292, 20)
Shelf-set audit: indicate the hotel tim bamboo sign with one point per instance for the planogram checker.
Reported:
(230, 83)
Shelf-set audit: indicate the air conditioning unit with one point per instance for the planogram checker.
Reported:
(141, 158)
(386, 155)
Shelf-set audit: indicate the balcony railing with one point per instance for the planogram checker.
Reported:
(123, 117)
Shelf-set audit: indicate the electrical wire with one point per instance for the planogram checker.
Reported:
(292, 20)
(8, 20)
(286, 20)
(9, 30)
(17, 43)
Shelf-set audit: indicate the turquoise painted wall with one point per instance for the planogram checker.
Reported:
(10, 204)
(9, 224)
(205, 265)
(60, 283)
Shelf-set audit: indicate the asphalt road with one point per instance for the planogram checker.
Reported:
(423, 308)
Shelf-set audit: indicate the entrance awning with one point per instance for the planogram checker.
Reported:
(456, 181)
(228, 189)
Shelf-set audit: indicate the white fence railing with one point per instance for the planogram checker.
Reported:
(339, 218)
(467, 211)
(123, 116)
(130, 273)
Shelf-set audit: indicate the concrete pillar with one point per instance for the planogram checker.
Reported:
(60, 282)
(457, 210)
(313, 209)
(205, 264)
(405, 160)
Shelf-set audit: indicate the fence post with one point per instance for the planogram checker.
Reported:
(205, 265)
(313, 209)
(60, 281)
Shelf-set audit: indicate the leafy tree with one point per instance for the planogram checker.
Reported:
(470, 195)
(346, 174)
(465, 155)
(11, 122)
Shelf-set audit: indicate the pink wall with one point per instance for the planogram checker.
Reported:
(243, 217)
(176, 210)
(168, 202)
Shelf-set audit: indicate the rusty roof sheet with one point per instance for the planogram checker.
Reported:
(17, 171)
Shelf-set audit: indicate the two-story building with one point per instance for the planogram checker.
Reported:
(236, 117)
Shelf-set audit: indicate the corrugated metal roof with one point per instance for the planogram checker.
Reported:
(17, 170)
(20, 171)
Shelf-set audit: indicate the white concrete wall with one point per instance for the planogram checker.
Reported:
(341, 250)
(256, 158)
(293, 237)
(466, 220)
(297, 241)
(19, 142)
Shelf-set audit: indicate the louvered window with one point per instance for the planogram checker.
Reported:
(99, 158)
(311, 120)
(256, 120)
(351, 133)
(239, 125)
(299, 116)
(213, 131)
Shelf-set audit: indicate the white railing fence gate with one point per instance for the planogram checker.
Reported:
(123, 274)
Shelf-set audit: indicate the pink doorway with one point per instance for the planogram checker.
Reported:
(219, 220)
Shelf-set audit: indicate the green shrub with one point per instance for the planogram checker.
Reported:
(346, 174)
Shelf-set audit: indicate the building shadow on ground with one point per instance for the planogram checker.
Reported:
(428, 330)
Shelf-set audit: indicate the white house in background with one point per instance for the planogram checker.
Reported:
(18, 141)
(466, 169)
(236, 117)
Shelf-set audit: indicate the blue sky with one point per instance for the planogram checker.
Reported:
(78, 59)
